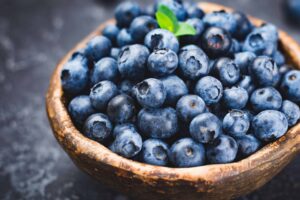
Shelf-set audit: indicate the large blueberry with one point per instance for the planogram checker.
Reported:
(257, 43)
(269, 125)
(223, 150)
(97, 127)
(158, 123)
(198, 26)
(290, 85)
(150, 93)
(111, 31)
(187, 153)
(105, 69)
(126, 12)
(132, 61)
(264, 71)
(121, 109)
(193, 10)
(247, 144)
(75, 75)
(124, 38)
(291, 111)
(140, 26)
(246, 83)
(205, 128)
(244, 26)
(236, 123)
(120, 128)
(102, 93)
(267, 98)
(243, 60)
(128, 143)
(235, 98)
(161, 39)
(193, 64)
(176, 6)
(175, 88)
(227, 71)
(98, 47)
(162, 62)
(80, 108)
(209, 89)
(216, 42)
(189, 106)
(221, 19)
(155, 152)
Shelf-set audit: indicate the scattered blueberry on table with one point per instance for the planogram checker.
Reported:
(172, 86)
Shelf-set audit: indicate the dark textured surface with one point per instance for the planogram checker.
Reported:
(34, 35)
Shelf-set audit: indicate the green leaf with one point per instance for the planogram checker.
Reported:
(164, 21)
(169, 13)
(185, 29)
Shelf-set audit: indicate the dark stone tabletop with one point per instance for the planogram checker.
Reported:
(34, 35)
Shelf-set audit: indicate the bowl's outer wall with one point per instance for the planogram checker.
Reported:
(151, 182)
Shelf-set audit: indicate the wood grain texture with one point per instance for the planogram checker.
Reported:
(144, 181)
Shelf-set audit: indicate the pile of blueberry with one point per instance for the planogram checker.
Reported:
(214, 96)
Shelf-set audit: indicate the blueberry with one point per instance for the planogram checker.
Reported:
(221, 19)
(205, 128)
(235, 98)
(161, 39)
(126, 12)
(155, 152)
(269, 125)
(291, 111)
(264, 71)
(128, 143)
(193, 10)
(267, 98)
(121, 109)
(111, 31)
(227, 71)
(75, 75)
(162, 62)
(140, 26)
(244, 26)
(176, 7)
(189, 106)
(102, 93)
(126, 87)
(247, 145)
(193, 64)
(150, 93)
(216, 42)
(236, 123)
(269, 32)
(120, 128)
(98, 47)
(292, 10)
(114, 53)
(198, 26)
(97, 127)
(105, 69)
(80, 108)
(223, 150)
(243, 60)
(209, 89)
(235, 47)
(132, 61)
(124, 38)
(175, 88)
(187, 153)
(290, 85)
(279, 58)
(246, 83)
(158, 123)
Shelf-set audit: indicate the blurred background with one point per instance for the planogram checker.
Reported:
(34, 35)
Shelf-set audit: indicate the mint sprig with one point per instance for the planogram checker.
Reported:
(166, 19)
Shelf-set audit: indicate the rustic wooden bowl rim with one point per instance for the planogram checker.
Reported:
(69, 137)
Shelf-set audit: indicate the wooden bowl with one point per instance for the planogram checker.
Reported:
(142, 181)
